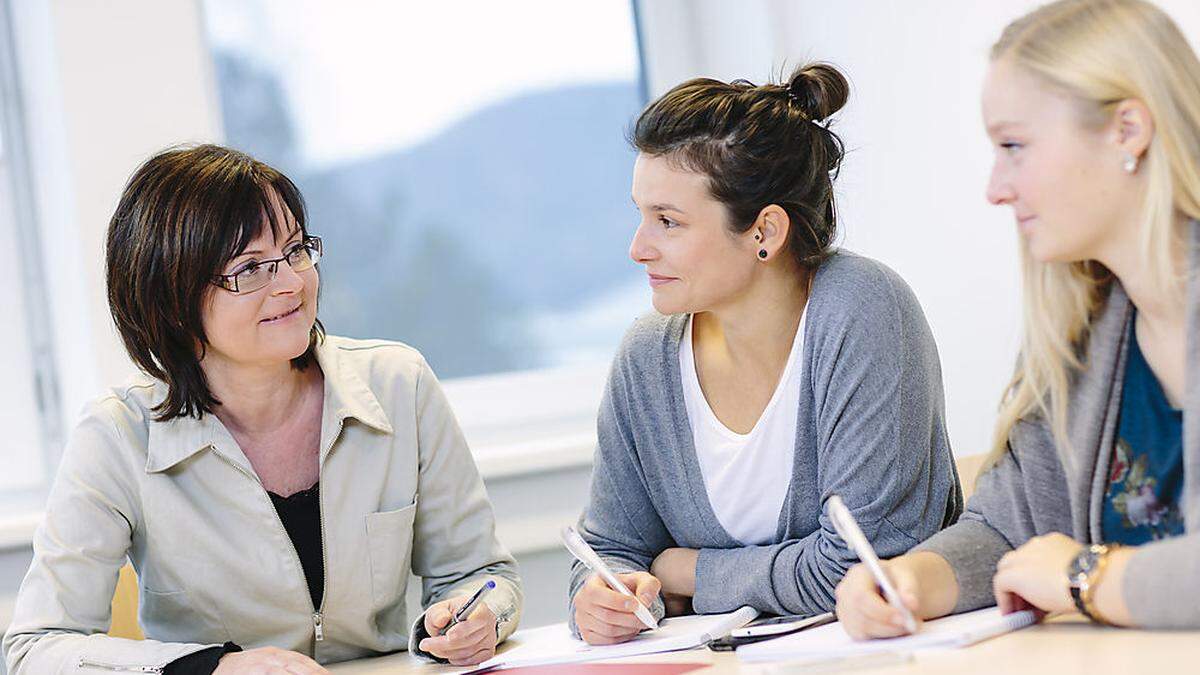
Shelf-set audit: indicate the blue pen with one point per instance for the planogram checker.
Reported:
(465, 611)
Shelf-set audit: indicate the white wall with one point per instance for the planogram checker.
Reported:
(911, 192)
(912, 189)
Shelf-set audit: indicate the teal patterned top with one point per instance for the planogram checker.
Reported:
(1145, 479)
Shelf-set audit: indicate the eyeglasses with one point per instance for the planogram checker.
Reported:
(257, 274)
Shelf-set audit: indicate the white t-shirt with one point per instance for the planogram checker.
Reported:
(746, 475)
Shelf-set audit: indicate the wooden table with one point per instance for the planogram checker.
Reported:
(1067, 645)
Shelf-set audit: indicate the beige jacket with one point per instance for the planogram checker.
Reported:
(399, 494)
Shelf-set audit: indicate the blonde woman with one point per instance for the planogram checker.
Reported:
(1092, 498)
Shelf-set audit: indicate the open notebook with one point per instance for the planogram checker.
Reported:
(830, 641)
(555, 644)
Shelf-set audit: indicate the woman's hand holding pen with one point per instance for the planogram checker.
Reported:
(606, 617)
(469, 642)
(926, 585)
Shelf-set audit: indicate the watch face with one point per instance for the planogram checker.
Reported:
(1087, 560)
(1083, 563)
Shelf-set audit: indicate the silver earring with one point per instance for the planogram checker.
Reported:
(1130, 164)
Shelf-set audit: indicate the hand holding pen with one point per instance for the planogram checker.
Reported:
(609, 607)
(605, 617)
(863, 610)
(462, 630)
(847, 528)
(876, 598)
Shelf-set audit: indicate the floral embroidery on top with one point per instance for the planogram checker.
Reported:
(1120, 466)
(1145, 473)
(1138, 501)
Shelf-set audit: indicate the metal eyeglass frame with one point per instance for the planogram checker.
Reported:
(315, 249)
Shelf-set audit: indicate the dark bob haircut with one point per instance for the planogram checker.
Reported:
(757, 146)
(182, 217)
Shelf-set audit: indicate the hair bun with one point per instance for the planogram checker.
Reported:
(819, 89)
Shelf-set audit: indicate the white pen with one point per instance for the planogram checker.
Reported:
(584, 553)
(849, 531)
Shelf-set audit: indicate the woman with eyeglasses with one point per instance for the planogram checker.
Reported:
(273, 487)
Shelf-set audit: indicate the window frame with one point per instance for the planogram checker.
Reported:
(33, 287)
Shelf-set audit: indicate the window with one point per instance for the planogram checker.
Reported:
(23, 456)
(465, 163)
(29, 399)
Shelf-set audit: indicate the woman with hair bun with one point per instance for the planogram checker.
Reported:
(776, 371)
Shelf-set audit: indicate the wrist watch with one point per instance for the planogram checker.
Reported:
(1084, 574)
(504, 617)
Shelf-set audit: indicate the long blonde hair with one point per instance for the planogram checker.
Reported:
(1101, 52)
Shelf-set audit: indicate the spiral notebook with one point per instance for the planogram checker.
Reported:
(948, 632)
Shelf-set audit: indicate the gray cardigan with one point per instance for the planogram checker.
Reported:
(870, 427)
(1036, 490)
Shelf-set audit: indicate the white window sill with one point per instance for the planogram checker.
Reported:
(16, 531)
(540, 456)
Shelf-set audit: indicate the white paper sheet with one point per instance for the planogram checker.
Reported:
(555, 644)
(828, 641)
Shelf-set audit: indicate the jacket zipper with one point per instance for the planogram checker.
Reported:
(319, 614)
(85, 662)
(318, 618)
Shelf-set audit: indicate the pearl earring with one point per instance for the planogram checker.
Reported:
(1130, 164)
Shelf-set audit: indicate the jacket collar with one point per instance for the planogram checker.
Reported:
(346, 396)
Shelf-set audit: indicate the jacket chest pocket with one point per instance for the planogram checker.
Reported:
(389, 540)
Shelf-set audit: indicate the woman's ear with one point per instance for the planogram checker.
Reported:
(1133, 128)
(770, 231)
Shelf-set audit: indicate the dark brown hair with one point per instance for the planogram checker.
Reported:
(758, 145)
(183, 216)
